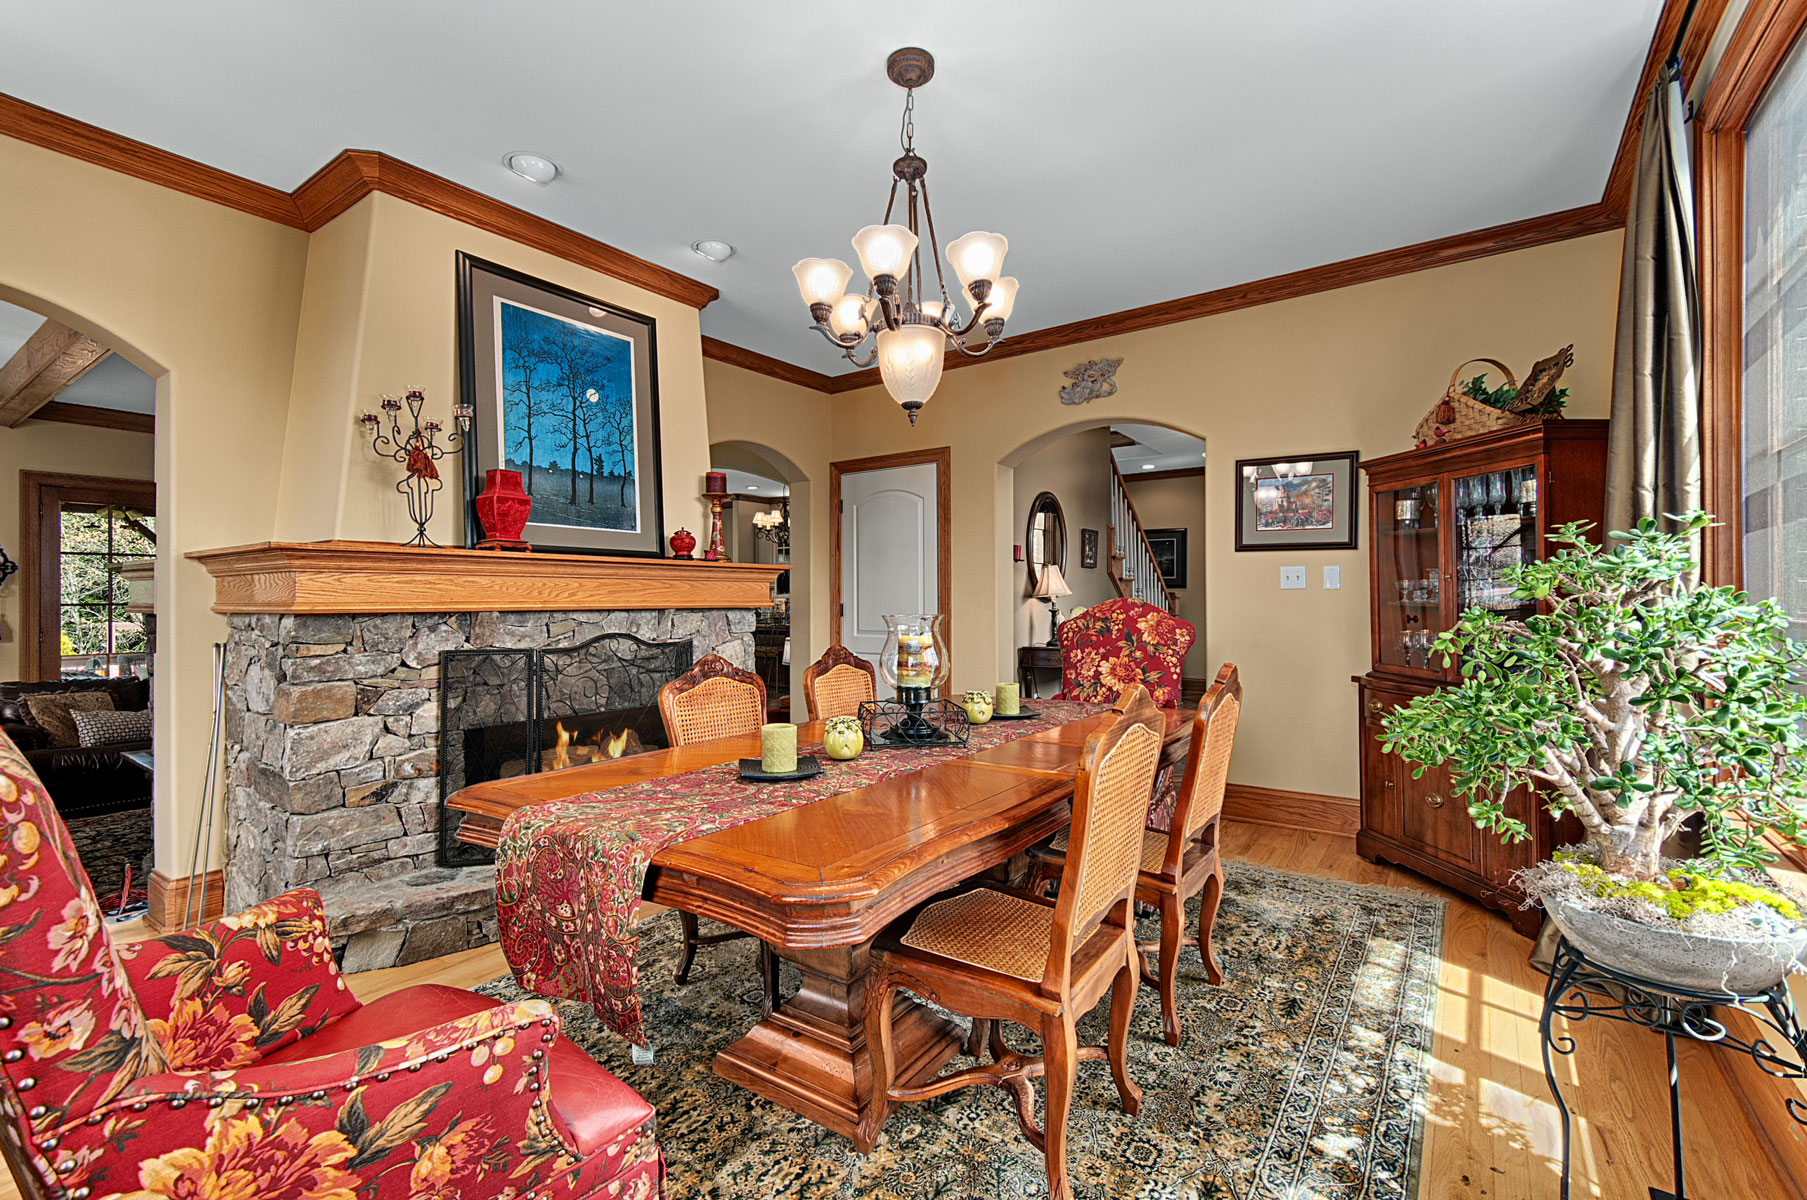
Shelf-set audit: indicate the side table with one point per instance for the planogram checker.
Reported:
(1029, 660)
(1581, 988)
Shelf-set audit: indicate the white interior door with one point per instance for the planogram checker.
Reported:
(889, 553)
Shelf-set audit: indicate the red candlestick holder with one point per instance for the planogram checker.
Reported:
(718, 550)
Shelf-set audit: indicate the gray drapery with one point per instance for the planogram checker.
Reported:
(1653, 463)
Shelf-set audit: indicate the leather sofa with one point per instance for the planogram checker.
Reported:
(82, 781)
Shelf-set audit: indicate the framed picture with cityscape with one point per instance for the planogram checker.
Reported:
(563, 389)
(1303, 502)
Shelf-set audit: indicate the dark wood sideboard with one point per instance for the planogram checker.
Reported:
(1445, 520)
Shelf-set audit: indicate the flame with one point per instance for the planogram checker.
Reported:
(616, 745)
(561, 754)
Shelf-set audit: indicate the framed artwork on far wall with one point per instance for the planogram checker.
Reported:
(563, 388)
(1299, 502)
(1088, 547)
(1169, 546)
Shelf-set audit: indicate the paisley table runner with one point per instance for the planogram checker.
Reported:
(569, 872)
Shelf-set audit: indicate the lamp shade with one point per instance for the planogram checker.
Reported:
(1051, 583)
(909, 361)
(822, 280)
(848, 315)
(1002, 301)
(978, 256)
(885, 250)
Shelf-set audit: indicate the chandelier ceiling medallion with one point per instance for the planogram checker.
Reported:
(911, 334)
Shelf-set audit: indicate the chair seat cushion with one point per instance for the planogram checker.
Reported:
(591, 1105)
(1154, 849)
(1002, 933)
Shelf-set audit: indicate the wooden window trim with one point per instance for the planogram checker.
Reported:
(41, 496)
(1765, 36)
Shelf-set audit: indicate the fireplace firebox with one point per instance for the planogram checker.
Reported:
(509, 712)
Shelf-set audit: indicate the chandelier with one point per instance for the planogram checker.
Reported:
(775, 526)
(911, 334)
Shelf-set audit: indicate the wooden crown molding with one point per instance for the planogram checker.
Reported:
(341, 183)
(765, 364)
(99, 418)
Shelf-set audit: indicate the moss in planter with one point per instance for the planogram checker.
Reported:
(1738, 905)
(1686, 894)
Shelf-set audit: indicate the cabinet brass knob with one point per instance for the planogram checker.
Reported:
(1435, 799)
(1375, 706)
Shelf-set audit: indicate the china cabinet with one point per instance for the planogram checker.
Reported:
(1447, 521)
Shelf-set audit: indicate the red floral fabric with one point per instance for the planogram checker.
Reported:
(569, 873)
(1111, 647)
(101, 1098)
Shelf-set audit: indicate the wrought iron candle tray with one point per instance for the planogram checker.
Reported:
(913, 725)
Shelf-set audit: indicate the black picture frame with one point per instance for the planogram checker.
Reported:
(481, 285)
(1088, 548)
(1282, 505)
(1169, 546)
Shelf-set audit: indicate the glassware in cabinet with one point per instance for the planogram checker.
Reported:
(1410, 585)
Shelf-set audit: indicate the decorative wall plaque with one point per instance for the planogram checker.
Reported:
(1091, 380)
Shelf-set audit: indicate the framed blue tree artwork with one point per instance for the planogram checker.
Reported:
(563, 388)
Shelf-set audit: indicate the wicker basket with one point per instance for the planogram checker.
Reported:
(1458, 416)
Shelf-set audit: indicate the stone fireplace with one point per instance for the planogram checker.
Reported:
(334, 719)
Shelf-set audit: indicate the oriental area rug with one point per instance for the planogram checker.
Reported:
(1302, 1078)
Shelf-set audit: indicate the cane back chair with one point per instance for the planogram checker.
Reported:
(714, 699)
(1184, 859)
(1007, 955)
(837, 683)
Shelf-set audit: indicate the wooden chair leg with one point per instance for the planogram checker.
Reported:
(688, 954)
(1060, 1043)
(880, 1001)
(1173, 931)
(1123, 1010)
(1207, 924)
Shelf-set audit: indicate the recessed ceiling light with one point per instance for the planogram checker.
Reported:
(752, 487)
(713, 250)
(535, 168)
(1148, 466)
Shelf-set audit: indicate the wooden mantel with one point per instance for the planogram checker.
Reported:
(382, 577)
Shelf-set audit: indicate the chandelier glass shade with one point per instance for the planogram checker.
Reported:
(775, 526)
(911, 331)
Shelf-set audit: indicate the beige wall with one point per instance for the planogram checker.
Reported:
(379, 315)
(1180, 504)
(206, 300)
(65, 449)
(1077, 471)
(785, 427)
(1348, 369)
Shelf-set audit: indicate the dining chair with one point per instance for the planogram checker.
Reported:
(715, 699)
(997, 954)
(1184, 859)
(1114, 646)
(837, 683)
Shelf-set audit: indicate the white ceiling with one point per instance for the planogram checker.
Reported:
(1131, 152)
(1157, 448)
(111, 383)
(744, 481)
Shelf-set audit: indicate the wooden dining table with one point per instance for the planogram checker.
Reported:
(819, 882)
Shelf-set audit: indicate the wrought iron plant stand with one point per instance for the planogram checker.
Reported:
(1581, 988)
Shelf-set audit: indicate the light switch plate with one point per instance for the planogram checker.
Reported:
(1333, 578)
(1292, 577)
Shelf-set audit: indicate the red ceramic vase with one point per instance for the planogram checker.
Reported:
(503, 507)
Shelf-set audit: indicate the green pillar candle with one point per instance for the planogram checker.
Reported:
(778, 748)
(1010, 699)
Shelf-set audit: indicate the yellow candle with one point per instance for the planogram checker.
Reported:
(1010, 699)
(778, 748)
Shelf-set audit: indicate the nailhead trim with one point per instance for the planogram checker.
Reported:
(27, 1083)
(12, 1056)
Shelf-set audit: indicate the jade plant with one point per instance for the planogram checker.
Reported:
(1634, 699)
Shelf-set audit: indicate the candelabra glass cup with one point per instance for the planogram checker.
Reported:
(915, 663)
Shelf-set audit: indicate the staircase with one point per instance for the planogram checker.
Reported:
(1132, 567)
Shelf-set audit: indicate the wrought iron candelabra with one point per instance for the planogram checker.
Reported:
(419, 452)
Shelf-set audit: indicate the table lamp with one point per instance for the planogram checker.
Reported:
(1049, 585)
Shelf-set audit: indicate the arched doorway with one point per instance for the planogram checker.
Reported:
(770, 483)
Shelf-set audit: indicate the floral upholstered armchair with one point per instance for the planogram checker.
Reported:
(233, 1060)
(1112, 647)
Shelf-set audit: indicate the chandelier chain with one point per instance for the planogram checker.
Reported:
(906, 136)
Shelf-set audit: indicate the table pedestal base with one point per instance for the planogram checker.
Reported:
(810, 1054)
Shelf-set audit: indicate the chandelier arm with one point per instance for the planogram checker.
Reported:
(978, 316)
(862, 362)
(928, 213)
(839, 342)
(979, 353)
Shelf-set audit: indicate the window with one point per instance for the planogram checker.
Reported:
(78, 531)
(1775, 343)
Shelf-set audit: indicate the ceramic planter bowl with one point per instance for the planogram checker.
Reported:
(1686, 960)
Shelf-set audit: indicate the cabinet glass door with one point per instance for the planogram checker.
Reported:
(1496, 528)
(1411, 574)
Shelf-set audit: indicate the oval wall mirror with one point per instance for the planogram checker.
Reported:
(1046, 538)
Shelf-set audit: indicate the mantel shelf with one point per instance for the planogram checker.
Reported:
(382, 577)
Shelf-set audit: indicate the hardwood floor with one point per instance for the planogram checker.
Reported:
(1491, 1130)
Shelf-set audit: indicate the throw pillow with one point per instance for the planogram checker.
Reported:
(51, 710)
(111, 727)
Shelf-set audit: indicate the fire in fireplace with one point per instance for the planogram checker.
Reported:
(505, 713)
